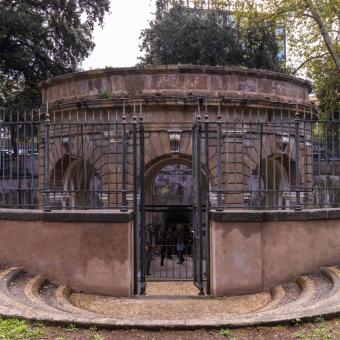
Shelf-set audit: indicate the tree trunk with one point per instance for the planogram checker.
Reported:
(327, 39)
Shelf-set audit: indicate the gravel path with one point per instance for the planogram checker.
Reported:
(185, 306)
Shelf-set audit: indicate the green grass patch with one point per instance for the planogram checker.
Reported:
(71, 328)
(19, 329)
(323, 332)
(225, 332)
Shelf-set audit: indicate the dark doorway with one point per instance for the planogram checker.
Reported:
(169, 235)
(169, 246)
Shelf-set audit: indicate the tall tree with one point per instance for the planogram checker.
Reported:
(41, 39)
(186, 35)
(327, 85)
(312, 27)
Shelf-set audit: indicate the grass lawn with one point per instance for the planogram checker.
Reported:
(317, 330)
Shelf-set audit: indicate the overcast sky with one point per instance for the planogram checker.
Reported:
(117, 43)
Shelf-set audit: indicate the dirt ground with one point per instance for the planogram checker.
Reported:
(317, 330)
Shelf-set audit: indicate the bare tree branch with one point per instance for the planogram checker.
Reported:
(327, 39)
(307, 61)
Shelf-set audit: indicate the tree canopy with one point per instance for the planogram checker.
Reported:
(313, 40)
(42, 39)
(198, 36)
(311, 30)
(312, 27)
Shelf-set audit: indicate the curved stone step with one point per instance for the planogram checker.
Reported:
(20, 305)
(4, 305)
(12, 306)
(278, 294)
(307, 290)
(62, 305)
(288, 306)
(309, 302)
(62, 295)
(31, 291)
(333, 296)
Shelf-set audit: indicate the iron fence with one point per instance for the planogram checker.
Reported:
(88, 159)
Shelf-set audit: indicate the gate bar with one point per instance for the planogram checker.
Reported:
(142, 205)
(124, 142)
(135, 203)
(198, 203)
(47, 161)
(207, 196)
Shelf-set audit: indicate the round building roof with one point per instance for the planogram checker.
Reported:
(175, 81)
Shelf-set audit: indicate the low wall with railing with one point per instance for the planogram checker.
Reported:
(252, 251)
(89, 251)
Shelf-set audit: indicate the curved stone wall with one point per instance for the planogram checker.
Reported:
(250, 252)
(254, 251)
(89, 251)
(178, 81)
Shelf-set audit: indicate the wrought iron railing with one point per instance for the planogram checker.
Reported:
(88, 159)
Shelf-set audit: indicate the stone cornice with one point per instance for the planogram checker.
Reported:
(176, 69)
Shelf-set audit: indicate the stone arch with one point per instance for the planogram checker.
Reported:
(274, 187)
(69, 147)
(153, 167)
(75, 183)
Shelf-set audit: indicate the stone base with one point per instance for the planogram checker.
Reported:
(91, 252)
(254, 251)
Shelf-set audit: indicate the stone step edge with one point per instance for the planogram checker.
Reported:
(31, 291)
(278, 294)
(63, 294)
(12, 302)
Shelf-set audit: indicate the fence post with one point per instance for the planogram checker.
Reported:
(297, 164)
(124, 142)
(219, 206)
(47, 124)
(142, 206)
(135, 201)
(207, 197)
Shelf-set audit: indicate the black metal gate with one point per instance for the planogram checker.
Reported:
(178, 247)
(197, 207)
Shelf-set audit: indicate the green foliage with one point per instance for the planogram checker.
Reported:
(42, 39)
(98, 337)
(93, 329)
(71, 328)
(209, 37)
(323, 332)
(225, 332)
(260, 45)
(297, 322)
(19, 329)
(311, 27)
(105, 95)
(327, 85)
(319, 319)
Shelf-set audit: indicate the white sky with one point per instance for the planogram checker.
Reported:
(117, 44)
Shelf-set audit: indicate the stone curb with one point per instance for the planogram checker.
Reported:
(304, 308)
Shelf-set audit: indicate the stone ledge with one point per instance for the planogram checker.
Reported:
(274, 215)
(98, 216)
(173, 69)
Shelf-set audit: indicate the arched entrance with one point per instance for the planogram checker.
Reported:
(169, 231)
(75, 183)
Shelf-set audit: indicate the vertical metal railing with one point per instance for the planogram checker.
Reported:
(142, 206)
(135, 202)
(219, 206)
(124, 152)
(197, 206)
(297, 164)
(47, 161)
(207, 196)
(262, 159)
